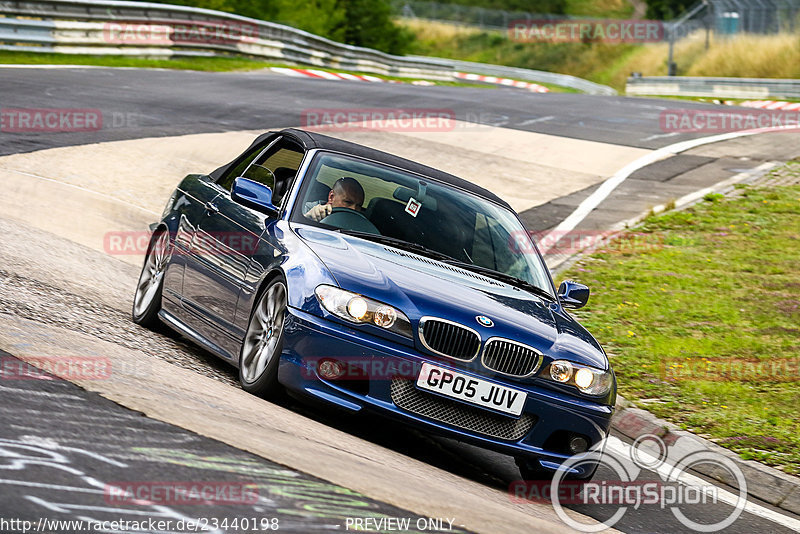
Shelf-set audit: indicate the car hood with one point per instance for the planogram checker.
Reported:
(420, 287)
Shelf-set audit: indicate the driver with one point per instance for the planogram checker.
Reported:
(346, 193)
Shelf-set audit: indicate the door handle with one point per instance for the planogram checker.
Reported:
(211, 208)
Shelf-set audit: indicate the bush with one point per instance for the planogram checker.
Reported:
(358, 22)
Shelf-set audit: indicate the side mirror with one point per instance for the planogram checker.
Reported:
(254, 195)
(573, 295)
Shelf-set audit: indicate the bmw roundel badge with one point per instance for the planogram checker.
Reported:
(485, 321)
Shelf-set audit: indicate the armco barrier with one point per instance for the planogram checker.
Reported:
(713, 87)
(82, 27)
(530, 75)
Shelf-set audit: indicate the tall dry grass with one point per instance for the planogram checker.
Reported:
(749, 56)
(752, 56)
(745, 56)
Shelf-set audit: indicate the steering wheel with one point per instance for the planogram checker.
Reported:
(350, 220)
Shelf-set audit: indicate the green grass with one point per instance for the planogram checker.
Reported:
(214, 64)
(755, 56)
(200, 63)
(612, 9)
(693, 317)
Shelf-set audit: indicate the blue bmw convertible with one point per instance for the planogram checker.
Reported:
(371, 282)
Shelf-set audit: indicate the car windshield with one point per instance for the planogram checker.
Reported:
(385, 204)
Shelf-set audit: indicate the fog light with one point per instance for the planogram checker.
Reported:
(330, 369)
(578, 444)
(357, 308)
(561, 371)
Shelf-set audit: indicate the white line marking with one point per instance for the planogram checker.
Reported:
(104, 195)
(607, 187)
(725, 496)
(660, 136)
(57, 487)
(533, 121)
(697, 195)
(47, 394)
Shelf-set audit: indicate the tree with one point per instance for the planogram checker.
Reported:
(369, 23)
(556, 7)
(667, 9)
(358, 22)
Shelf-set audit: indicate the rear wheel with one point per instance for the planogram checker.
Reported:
(147, 300)
(263, 343)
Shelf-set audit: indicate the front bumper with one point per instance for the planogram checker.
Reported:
(386, 385)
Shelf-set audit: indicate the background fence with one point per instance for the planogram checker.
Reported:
(486, 19)
(723, 17)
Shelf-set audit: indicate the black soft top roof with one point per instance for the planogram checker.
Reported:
(311, 140)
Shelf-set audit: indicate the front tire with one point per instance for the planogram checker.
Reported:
(147, 299)
(263, 343)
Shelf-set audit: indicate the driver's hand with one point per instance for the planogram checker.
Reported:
(319, 212)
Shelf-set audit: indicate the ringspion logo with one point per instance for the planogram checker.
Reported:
(647, 473)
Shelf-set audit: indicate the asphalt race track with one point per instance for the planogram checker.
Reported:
(62, 446)
(152, 103)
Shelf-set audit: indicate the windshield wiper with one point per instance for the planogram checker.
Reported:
(399, 243)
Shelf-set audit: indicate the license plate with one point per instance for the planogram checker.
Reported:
(470, 389)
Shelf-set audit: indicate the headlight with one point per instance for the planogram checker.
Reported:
(359, 309)
(587, 379)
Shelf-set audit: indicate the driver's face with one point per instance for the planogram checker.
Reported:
(340, 197)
